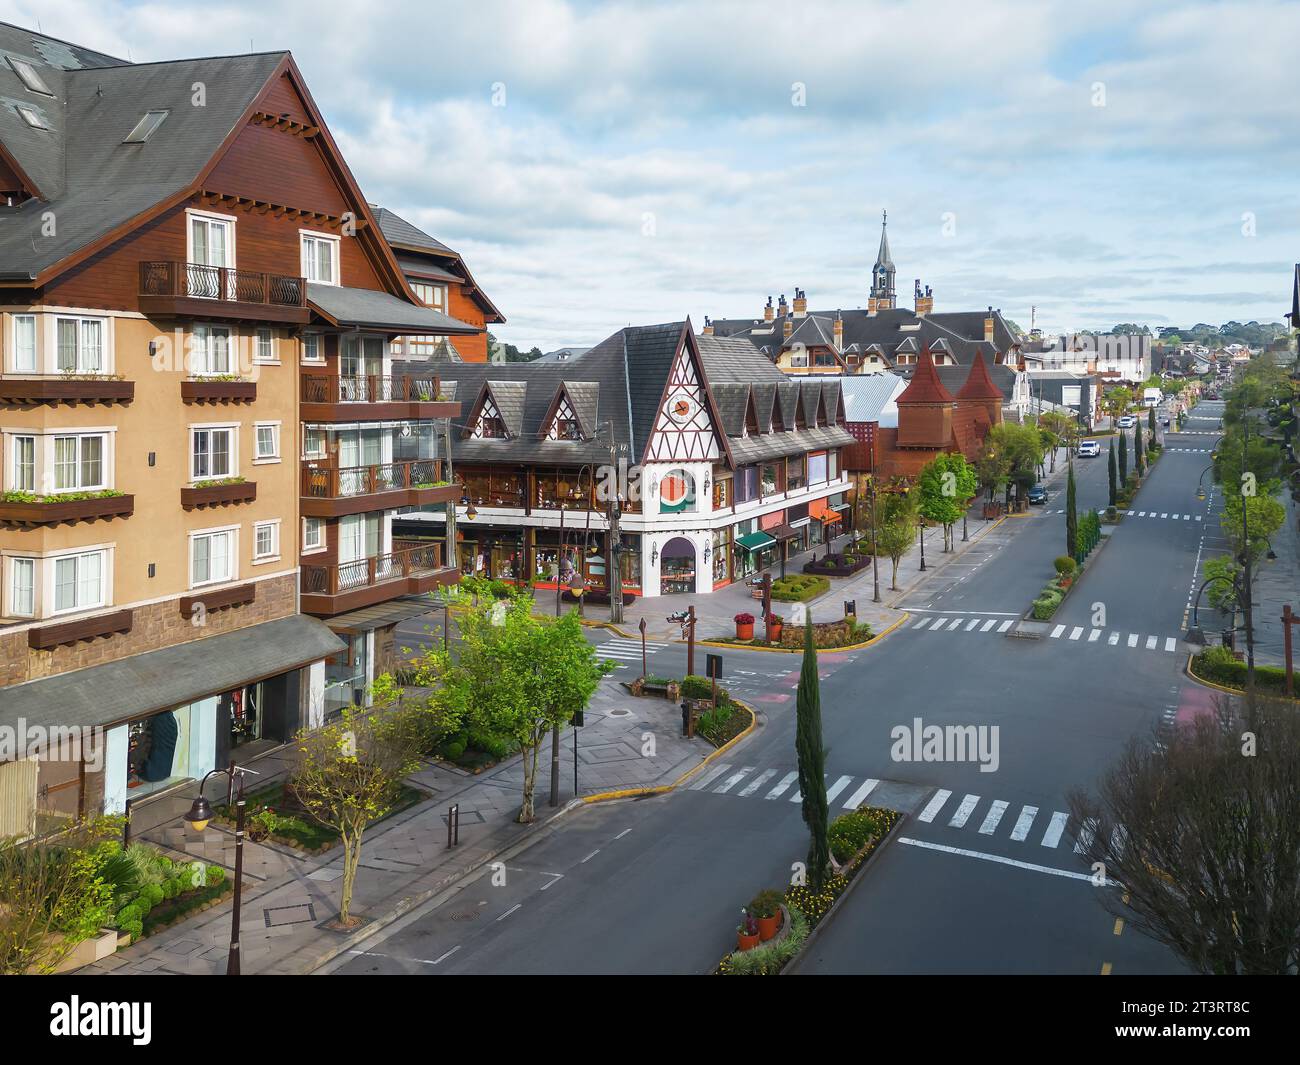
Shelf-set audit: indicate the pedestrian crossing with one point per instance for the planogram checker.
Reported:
(626, 651)
(1027, 824)
(965, 624)
(1193, 450)
(1116, 638)
(1164, 515)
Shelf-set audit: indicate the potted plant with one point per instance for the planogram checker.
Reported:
(774, 625)
(766, 909)
(674, 691)
(744, 626)
(261, 825)
(747, 937)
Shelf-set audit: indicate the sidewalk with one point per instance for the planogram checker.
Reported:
(289, 898)
(714, 611)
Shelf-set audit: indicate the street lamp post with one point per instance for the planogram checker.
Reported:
(920, 535)
(198, 817)
(875, 553)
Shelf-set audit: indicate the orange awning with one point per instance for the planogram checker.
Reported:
(831, 517)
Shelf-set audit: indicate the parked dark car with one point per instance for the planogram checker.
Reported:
(1037, 494)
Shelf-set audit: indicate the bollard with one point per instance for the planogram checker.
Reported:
(453, 825)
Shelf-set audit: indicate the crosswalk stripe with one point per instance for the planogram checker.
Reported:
(1077, 632)
(989, 624)
(922, 623)
(710, 776)
(993, 817)
(1005, 625)
(1024, 823)
(797, 796)
(1170, 643)
(1198, 517)
(635, 644)
(785, 782)
(1056, 632)
(1113, 639)
(855, 800)
(1094, 636)
(935, 804)
(1118, 837)
(1142, 513)
(1130, 513)
(964, 811)
(1132, 639)
(757, 782)
(1164, 515)
(621, 656)
(837, 787)
(1086, 832)
(733, 780)
(1055, 827)
(1187, 517)
(1151, 643)
(973, 623)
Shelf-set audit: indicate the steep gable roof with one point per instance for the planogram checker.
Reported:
(925, 386)
(978, 383)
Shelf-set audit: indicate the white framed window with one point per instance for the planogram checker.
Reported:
(312, 351)
(22, 468)
(79, 344)
(79, 581)
(24, 344)
(22, 587)
(313, 442)
(266, 541)
(210, 350)
(210, 247)
(212, 452)
(266, 442)
(79, 463)
(431, 295)
(264, 346)
(313, 534)
(320, 257)
(212, 556)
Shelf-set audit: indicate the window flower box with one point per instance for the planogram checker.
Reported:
(25, 509)
(218, 493)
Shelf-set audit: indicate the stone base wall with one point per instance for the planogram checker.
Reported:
(153, 627)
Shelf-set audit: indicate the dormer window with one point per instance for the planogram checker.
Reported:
(30, 116)
(145, 128)
(565, 425)
(29, 76)
(489, 425)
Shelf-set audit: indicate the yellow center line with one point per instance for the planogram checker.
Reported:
(1105, 968)
(1119, 925)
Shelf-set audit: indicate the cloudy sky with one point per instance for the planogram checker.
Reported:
(601, 164)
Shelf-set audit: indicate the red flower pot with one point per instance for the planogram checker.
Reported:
(767, 926)
(744, 632)
(744, 942)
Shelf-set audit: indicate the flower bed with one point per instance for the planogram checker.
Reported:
(719, 726)
(1055, 591)
(827, 636)
(838, 565)
(274, 814)
(799, 588)
(150, 891)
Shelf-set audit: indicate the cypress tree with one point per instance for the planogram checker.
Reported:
(1110, 471)
(1071, 518)
(1138, 463)
(1151, 420)
(1123, 458)
(812, 762)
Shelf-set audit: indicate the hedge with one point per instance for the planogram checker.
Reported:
(799, 587)
(1217, 664)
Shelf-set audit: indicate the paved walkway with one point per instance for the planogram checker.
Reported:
(289, 898)
(1277, 581)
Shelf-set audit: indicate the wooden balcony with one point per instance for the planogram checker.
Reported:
(59, 633)
(218, 495)
(336, 588)
(34, 390)
(372, 398)
(51, 510)
(191, 290)
(328, 492)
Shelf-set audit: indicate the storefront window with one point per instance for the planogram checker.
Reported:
(630, 562)
(722, 494)
(677, 567)
(817, 467)
(773, 478)
(746, 484)
(345, 676)
(795, 473)
(721, 555)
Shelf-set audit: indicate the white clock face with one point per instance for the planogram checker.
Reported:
(680, 407)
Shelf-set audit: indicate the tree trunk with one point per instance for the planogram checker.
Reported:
(527, 813)
(351, 858)
(893, 577)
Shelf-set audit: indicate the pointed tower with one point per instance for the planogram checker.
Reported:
(980, 391)
(882, 274)
(925, 408)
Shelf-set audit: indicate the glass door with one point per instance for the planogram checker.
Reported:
(210, 255)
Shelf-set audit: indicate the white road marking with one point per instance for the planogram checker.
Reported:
(444, 957)
(934, 805)
(779, 790)
(710, 777)
(855, 800)
(1056, 632)
(922, 623)
(512, 909)
(964, 811)
(1094, 636)
(1132, 639)
(1170, 644)
(972, 625)
(757, 782)
(1024, 823)
(989, 624)
(997, 858)
(1054, 829)
(1076, 632)
(993, 817)
(837, 787)
(733, 780)
(1005, 625)
(619, 836)
(1087, 831)
(1113, 639)
(1151, 643)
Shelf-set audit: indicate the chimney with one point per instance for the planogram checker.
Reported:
(787, 327)
(782, 308)
(924, 302)
(769, 312)
(871, 306)
(708, 326)
(988, 325)
(839, 331)
(800, 303)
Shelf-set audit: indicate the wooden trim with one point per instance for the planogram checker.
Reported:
(203, 390)
(52, 389)
(26, 515)
(215, 495)
(59, 633)
(218, 598)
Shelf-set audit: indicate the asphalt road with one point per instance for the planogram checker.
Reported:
(982, 877)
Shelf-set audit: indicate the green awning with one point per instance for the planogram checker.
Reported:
(754, 541)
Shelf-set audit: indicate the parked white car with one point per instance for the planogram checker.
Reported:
(1089, 449)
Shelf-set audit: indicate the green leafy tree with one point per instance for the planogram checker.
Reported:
(812, 763)
(1222, 573)
(895, 536)
(1117, 401)
(1021, 448)
(1264, 516)
(945, 487)
(1111, 472)
(1071, 516)
(992, 466)
(1151, 421)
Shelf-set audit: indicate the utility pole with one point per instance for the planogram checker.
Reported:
(690, 641)
(1246, 591)
(1288, 619)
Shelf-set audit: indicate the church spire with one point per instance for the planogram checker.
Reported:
(882, 274)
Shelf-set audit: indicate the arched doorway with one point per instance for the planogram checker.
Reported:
(677, 567)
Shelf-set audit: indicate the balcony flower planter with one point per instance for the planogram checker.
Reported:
(66, 388)
(48, 637)
(744, 626)
(22, 509)
(218, 495)
(216, 390)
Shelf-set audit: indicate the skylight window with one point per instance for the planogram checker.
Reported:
(31, 116)
(144, 129)
(28, 75)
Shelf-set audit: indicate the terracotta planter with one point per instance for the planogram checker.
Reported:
(776, 631)
(744, 942)
(768, 926)
(744, 632)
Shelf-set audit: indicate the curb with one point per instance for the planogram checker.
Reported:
(661, 789)
(903, 593)
(799, 650)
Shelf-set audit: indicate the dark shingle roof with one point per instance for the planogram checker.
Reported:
(401, 233)
(364, 307)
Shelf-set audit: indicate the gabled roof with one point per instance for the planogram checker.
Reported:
(870, 397)
(978, 383)
(732, 399)
(508, 397)
(787, 393)
(925, 386)
(583, 398)
(810, 394)
(764, 402)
